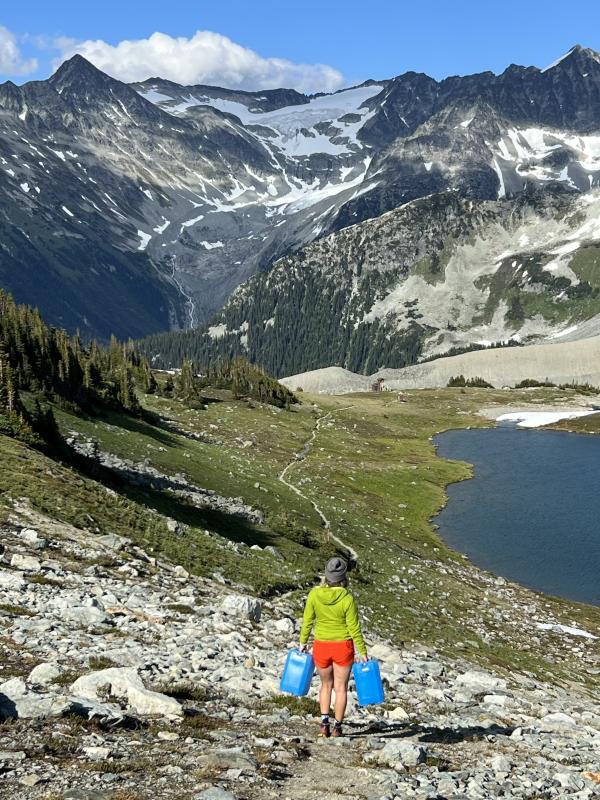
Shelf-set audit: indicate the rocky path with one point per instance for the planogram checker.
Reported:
(122, 677)
(300, 456)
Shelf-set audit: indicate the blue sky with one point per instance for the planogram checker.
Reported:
(356, 39)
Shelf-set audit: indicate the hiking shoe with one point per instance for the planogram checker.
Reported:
(337, 731)
(325, 730)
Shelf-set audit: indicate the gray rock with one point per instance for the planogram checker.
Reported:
(11, 580)
(501, 764)
(44, 674)
(12, 755)
(399, 754)
(125, 682)
(557, 721)
(274, 552)
(114, 541)
(97, 753)
(478, 681)
(242, 606)
(16, 702)
(231, 758)
(24, 562)
(85, 615)
(214, 793)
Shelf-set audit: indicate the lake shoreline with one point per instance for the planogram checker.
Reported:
(457, 532)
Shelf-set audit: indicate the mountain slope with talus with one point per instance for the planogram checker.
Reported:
(139, 208)
(438, 274)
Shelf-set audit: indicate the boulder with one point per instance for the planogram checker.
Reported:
(114, 541)
(274, 552)
(399, 754)
(27, 563)
(125, 683)
(16, 702)
(44, 674)
(214, 793)
(11, 580)
(12, 755)
(85, 615)
(558, 721)
(242, 606)
(97, 752)
(33, 539)
(285, 625)
(229, 758)
(477, 681)
(398, 714)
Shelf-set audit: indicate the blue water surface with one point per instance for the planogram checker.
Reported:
(531, 513)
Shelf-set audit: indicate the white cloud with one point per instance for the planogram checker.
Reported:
(205, 57)
(11, 59)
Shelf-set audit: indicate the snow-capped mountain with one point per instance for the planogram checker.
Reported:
(138, 208)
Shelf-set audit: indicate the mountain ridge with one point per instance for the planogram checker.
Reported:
(192, 195)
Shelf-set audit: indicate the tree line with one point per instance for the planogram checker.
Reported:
(54, 366)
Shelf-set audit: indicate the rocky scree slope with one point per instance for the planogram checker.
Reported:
(122, 676)
(167, 197)
(441, 272)
(562, 363)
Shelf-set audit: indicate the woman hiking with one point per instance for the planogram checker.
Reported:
(333, 611)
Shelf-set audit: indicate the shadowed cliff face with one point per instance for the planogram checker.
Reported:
(167, 197)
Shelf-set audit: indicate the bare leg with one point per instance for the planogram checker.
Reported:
(326, 676)
(341, 676)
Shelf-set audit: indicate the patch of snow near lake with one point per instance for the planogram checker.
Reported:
(145, 238)
(548, 626)
(66, 210)
(212, 245)
(536, 419)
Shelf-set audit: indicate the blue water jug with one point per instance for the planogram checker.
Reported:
(297, 673)
(369, 687)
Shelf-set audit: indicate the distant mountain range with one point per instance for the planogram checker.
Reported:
(140, 208)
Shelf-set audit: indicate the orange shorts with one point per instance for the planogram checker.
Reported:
(327, 653)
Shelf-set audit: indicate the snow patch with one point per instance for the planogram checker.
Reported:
(162, 228)
(549, 626)
(536, 419)
(144, 239)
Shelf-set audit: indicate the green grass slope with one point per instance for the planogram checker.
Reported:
(371, 468)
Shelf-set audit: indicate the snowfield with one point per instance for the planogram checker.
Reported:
(536, 419)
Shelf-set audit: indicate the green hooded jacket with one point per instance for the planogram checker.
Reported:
(333, 611)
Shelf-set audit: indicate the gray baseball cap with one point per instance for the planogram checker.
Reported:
(335, 570)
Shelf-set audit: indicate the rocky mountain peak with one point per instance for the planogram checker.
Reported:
(80, 82)
(577, 57)
(78, 70)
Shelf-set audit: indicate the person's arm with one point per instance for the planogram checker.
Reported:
(307, 620)
(353, 623)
